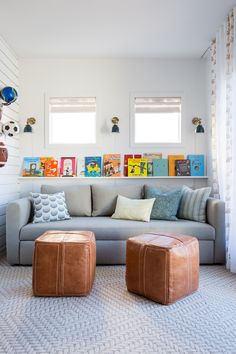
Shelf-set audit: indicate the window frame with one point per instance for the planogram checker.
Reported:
(81, 146)
(168, 94)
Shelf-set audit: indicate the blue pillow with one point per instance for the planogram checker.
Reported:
(166, 204)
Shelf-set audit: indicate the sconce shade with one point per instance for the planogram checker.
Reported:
(199, 129)
(28, 129)
(115, 129)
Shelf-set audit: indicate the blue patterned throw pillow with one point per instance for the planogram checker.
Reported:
(166, 204)
(49, 207)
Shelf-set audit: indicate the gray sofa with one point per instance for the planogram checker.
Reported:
(91, 208)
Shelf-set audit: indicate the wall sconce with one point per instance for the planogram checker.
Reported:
(28, 127)
(198, 123)
(115, 128)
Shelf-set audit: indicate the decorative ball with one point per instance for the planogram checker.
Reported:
(10, 128)
(8, 95)
(3, 154)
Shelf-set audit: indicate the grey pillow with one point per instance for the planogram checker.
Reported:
(105, 197)
(49, 207)
(193, 204)
(78, 197)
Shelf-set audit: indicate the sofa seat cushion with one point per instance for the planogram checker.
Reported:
(106, 228)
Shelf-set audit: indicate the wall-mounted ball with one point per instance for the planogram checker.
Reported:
(10, 128)
(3, 154)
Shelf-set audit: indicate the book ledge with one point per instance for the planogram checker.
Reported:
(122, 177)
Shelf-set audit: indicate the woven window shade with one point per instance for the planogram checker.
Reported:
(72, 104)
(157, 105)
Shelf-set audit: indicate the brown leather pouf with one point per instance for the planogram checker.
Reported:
(64, 263)
(162, 267)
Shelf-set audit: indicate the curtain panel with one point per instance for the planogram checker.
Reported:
(223, 118)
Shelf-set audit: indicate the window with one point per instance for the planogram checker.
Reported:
(72, 120)
(157, 120)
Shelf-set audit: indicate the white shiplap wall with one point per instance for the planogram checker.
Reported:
(9, 188)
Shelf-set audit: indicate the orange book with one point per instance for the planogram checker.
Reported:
(171, 163)
(111, 165)
(51, 168)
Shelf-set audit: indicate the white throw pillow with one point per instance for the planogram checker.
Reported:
(133, 209)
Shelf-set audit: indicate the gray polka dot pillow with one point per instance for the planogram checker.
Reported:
(49, 207)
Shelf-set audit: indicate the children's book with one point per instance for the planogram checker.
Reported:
(111, 165)
(182, 167)
(93, 166)
(31, 167)
(68, 167)
(196, 165)
(129, 156)
(150, 157)
(171, 163)
(42, 163)
(80, 167)
(137, 167)
(160, 167)
(51, 168)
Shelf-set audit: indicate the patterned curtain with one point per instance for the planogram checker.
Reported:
(223, 115)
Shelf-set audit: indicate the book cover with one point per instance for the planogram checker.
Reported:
(51, 168)
(137, 167)
(111, 165)
(93, 166)
(171, 163)
(68, 167)
(182, 167)
(80, 167)
(31, 167)
(126, 158)
(160, 167)
(196, 165)
(42, 163)
(150, 157)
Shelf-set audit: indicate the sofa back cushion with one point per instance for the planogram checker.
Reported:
(78, 197)
(105, 197)
(193, 204)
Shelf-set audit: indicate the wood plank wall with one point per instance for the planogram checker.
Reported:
(9, 188)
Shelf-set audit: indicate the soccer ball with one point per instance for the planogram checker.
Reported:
(10, 128)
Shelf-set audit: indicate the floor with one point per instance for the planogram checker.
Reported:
(111, 320)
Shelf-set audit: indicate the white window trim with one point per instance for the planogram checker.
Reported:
(80, 146)
(133, 95)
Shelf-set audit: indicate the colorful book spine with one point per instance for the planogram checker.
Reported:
(126, 158)
(182, 167)
(111, 165)
(68, 167)
(171, 163)
(93, 166)
(51, 168)
(137, 167)
(160, 167)
(197, 165)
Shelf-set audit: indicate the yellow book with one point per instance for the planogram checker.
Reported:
(171, 163)
(137, 167)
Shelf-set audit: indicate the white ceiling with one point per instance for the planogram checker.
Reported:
(111, 28)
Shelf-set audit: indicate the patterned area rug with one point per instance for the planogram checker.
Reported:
(111, 320)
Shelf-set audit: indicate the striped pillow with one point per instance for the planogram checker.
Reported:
(193, 204)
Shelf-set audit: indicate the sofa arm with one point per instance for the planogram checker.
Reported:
(17, 215)
(216, 218)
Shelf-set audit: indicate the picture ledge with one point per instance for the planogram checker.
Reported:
(122, 177)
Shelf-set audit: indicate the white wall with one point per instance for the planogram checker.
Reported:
(112, 81)
(9, 188)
